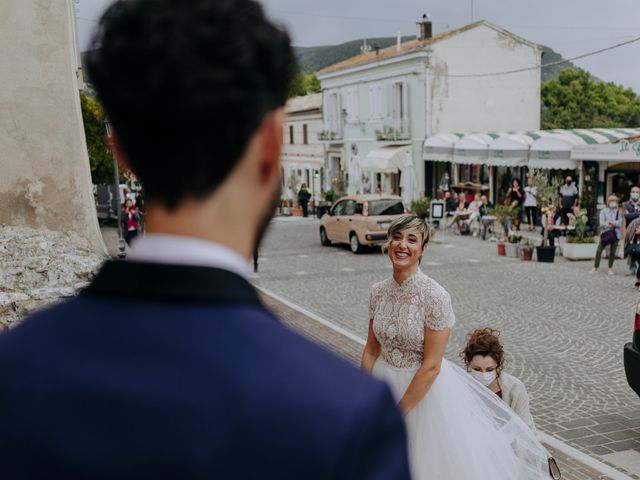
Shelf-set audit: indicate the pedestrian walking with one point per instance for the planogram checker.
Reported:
(303, 197)
(168, 365)
(610, 222)
(447, 413)
(130, 221)
(568, 198)
(445, 185)
(531, 204)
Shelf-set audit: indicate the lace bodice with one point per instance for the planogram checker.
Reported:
(400, 314)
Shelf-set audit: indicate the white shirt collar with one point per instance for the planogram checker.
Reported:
(182, 250)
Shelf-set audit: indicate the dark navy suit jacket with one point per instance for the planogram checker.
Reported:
(160, 371)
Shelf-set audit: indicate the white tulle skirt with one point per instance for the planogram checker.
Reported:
(461, 430)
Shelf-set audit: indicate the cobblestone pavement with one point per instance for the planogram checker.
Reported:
(563, 329)
(351, 350)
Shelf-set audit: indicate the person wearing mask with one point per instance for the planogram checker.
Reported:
(632, 206)
(610, 223)
(632, 246)
(483, 357)
(531, 204)
(632, 212)
(568, 198)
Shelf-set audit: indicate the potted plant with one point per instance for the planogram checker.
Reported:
(421, 207)
(504, 215)
(511, 247)
(581, 245)
(285, 206)
(501, 247)
(324, 206)
(548, 193)
(526, 249)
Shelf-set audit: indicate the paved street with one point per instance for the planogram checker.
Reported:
(563, 329)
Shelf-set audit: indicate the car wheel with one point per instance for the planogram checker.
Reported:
(324, 240)
(354, 243)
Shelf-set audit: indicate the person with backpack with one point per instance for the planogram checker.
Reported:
(610, 222)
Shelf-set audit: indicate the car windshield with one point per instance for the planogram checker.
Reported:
(385, 207)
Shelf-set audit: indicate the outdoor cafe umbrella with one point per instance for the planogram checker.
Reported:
(407, 180)
(355, 176)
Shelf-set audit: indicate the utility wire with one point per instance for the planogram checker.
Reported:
(559, 62)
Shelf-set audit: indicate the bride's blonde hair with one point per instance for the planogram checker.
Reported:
(409, 222)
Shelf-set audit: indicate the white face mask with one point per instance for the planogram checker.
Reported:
(613, 204)
(485, 378)
(635, 195)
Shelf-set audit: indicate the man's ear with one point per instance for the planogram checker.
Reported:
(271, 132)
(118, 152)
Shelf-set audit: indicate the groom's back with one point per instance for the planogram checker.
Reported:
(99, 388)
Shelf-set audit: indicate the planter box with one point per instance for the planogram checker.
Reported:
(579, 251)
(511, 250)
(545, 254)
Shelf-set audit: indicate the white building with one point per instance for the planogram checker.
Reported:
(380, 106)
(303, 155)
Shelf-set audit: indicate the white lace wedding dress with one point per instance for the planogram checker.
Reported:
(460, 430)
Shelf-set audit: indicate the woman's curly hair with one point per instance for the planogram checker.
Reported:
(485, 342)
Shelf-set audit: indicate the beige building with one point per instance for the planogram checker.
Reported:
(302, 152)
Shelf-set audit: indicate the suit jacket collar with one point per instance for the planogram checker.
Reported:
(171, 283)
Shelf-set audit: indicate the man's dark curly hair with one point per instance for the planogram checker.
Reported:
(185, 84)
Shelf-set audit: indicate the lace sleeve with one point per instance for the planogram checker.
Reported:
(439, 315)
(372, 307)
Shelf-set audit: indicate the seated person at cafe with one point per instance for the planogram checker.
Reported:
(459, 215)
(486, 205)
(474, 219)
(450, 201)
(552, 217)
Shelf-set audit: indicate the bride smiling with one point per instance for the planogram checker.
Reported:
(456, 428)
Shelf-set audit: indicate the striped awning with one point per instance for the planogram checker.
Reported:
(439, 147)
(550, 149)
(473, 148)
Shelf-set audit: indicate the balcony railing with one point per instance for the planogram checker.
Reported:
(388, 133)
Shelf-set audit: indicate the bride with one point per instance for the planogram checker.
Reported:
(457, 429)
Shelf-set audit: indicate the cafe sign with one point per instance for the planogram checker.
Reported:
(623, 151)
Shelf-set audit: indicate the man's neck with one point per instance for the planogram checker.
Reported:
(228, 228)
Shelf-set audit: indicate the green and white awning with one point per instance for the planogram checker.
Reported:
(551, 149)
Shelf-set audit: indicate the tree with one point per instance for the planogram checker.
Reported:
(576, 100)
(304, 84)
(100, 158)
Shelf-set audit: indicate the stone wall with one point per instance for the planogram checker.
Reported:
(45, 179)
(38, 267)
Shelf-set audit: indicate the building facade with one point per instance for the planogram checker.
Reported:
(303, 154)
(380, 106)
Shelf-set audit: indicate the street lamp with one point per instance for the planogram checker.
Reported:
(121, 244)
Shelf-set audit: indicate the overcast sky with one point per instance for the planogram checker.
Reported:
(571, 27)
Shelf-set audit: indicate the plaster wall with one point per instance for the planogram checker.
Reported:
(45, 180)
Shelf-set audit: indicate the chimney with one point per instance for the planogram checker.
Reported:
(423, 28)
(398, 41)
